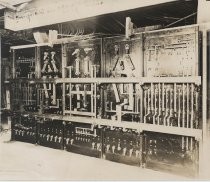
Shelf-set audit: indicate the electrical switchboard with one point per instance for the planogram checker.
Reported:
(135, 101)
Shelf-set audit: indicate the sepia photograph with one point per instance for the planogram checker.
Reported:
(105, 90)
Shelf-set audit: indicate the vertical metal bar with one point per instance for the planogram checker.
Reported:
(95, 95)
(175, 100)
(131, 101)
(204, 83)
(64, 97)
(70, 87)
(163, 101)
(183, 105)
(37, 62)
(8, 98)
(152, 98)
(187, 143)
(191, 144)
(155, 108)
(26, 94)
(188, 105)
(192, 105)
(70, 97)
(30, 100)
(182, 144)
(196, 109)
(13, 64)
(135, 104)
(63, 66)
(145, 105)
(170, 107)
(64, 60)
(92, 95)
(54, 94)
(179, 107)
(159, 104)
(167, 107)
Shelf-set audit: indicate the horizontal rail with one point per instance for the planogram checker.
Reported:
(197, 133)
(31, 81)
(141, 80)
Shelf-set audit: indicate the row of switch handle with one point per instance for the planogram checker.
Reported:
(51, 138)
(22, 132)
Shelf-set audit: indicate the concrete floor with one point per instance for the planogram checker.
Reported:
(24, 161)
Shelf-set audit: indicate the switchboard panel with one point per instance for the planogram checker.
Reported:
(50, 133)
(24, 63)
(83, 139)
(123, 58)
(171, 52)
(24, 129)
(178, 154)
(124, 146)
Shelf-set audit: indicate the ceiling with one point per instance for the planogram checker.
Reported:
(161, 14)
